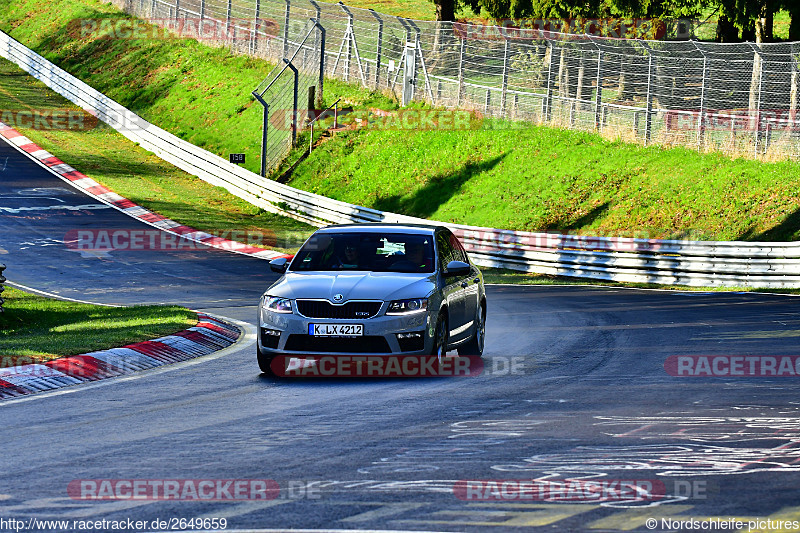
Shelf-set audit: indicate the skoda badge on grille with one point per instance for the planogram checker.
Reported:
(338, 297)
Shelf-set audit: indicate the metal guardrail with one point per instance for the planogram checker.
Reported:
(697, 263)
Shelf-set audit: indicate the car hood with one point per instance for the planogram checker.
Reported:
(353, 285)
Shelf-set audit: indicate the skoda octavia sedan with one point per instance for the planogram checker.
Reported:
(374, 289)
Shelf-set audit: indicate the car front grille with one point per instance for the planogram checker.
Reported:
(310, 344)
(349, 310)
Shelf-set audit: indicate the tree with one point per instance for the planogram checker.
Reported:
(446, 9)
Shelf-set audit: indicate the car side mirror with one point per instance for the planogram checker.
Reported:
(279, 265)
(457, 268)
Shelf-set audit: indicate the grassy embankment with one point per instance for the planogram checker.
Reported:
(36, 329)
(546, 179)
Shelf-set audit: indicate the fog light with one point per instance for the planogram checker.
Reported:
(411, 341)
(270, 337)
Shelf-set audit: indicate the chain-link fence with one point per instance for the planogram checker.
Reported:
(740, 99)
(281, 92)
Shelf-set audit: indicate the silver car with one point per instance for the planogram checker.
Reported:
(374, 289)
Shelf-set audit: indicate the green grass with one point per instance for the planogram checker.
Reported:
(42, 328)
(544, 178)
(557, 180)
(111, 159)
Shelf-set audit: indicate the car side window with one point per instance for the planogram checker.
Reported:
(459, 253)
(445, 250)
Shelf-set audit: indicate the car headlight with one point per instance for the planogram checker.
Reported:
(402, 307)
(277, 304)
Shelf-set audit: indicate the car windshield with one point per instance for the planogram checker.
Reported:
(374, 252)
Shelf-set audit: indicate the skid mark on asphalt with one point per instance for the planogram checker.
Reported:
(502, 515)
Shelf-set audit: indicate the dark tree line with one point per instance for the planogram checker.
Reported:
(738, 20)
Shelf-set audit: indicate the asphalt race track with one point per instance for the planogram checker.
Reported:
(574, 389)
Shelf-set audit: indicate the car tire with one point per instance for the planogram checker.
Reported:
(474, 346)
(440, 335)
(265, 362)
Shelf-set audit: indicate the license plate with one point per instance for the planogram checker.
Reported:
(336, 330)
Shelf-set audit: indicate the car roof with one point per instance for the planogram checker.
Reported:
(381, 227)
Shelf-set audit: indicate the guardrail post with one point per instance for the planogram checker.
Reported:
(379, 48)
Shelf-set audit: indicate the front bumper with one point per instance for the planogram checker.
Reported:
(287, 334)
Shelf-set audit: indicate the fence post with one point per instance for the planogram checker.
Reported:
(349, 35)
(321, 30)
(461, 72)
(285, 27)
(547, 103)
(418, 45)
(254, 34)
(228, 20)
(409, 72)
(795, 69)
(264, 130)
(701, 117)
(598, 96)
(505, 79)
(380, 48)
(294, 99)
(317, 20)
(758, 61)
(648, 116)
(410, 65)
(202, 12)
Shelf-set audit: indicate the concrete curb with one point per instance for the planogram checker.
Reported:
(103, 194)
(211, 334)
